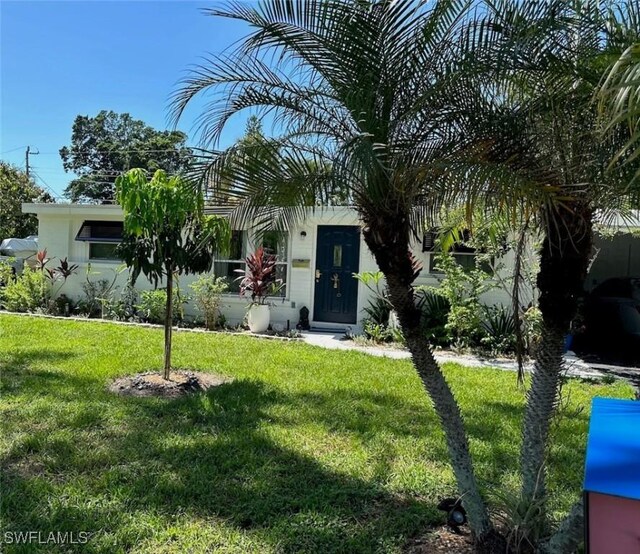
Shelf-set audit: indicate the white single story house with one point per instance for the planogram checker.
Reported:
(316, 261)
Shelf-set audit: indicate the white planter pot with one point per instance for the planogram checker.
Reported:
(258, 318)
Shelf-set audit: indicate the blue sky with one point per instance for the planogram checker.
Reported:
(59, 59)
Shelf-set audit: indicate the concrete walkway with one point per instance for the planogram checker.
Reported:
(576, 367)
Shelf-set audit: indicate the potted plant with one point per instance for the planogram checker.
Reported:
(259, 280)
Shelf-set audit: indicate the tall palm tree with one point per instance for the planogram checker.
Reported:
(544, 98)
(363, 90)
(406, 105)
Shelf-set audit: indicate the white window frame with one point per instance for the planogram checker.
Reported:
(102, 260)
(249, 244)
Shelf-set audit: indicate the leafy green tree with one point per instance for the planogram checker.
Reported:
(166, 234)
(104, 146)
(16, 188)
(253, 133)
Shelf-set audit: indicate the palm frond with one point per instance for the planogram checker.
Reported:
(620, 102)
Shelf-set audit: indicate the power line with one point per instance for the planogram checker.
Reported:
(95, 178)
(13, 150)
(102, 177)
(46, 185)
(127, 151)
(92, 174)
(97, 182)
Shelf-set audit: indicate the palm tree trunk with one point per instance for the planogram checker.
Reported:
(445, 406)
(168, 324)
(569, 534)
(541, 401)
(400, 270)
(564, 260)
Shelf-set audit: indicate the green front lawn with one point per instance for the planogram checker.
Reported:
(307, 450)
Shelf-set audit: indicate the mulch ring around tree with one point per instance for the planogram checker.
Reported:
(180, 383)
(442, 540)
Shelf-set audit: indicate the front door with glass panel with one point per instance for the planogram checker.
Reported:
(337, 259)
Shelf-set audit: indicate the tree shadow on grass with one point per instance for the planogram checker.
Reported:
(232, 455)
(209, 456)
(17, 372)
(22, 360)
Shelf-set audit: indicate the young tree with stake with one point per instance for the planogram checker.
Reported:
(166, 234)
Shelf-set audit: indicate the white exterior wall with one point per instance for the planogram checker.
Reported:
(60, 223)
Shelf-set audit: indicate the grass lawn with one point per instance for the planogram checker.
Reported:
(307, 450)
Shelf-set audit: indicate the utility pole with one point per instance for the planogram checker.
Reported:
(26, 157)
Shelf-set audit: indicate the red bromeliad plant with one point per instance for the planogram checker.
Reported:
(60, 273)
(63, 271)
(259, 279)
(41, 259)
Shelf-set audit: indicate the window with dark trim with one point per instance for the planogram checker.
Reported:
(464, 255)
(430, 238)
(103, 238)
(277, 243)
(429, 241)
(100, 231)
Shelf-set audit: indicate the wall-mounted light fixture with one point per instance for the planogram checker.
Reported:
(303, 235)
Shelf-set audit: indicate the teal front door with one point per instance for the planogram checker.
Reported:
(337, 259)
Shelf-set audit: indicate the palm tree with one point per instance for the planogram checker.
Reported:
(620, 99)
(363, 90)
(405, 106)
(549, 133)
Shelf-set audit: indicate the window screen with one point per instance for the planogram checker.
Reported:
(100, 231)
